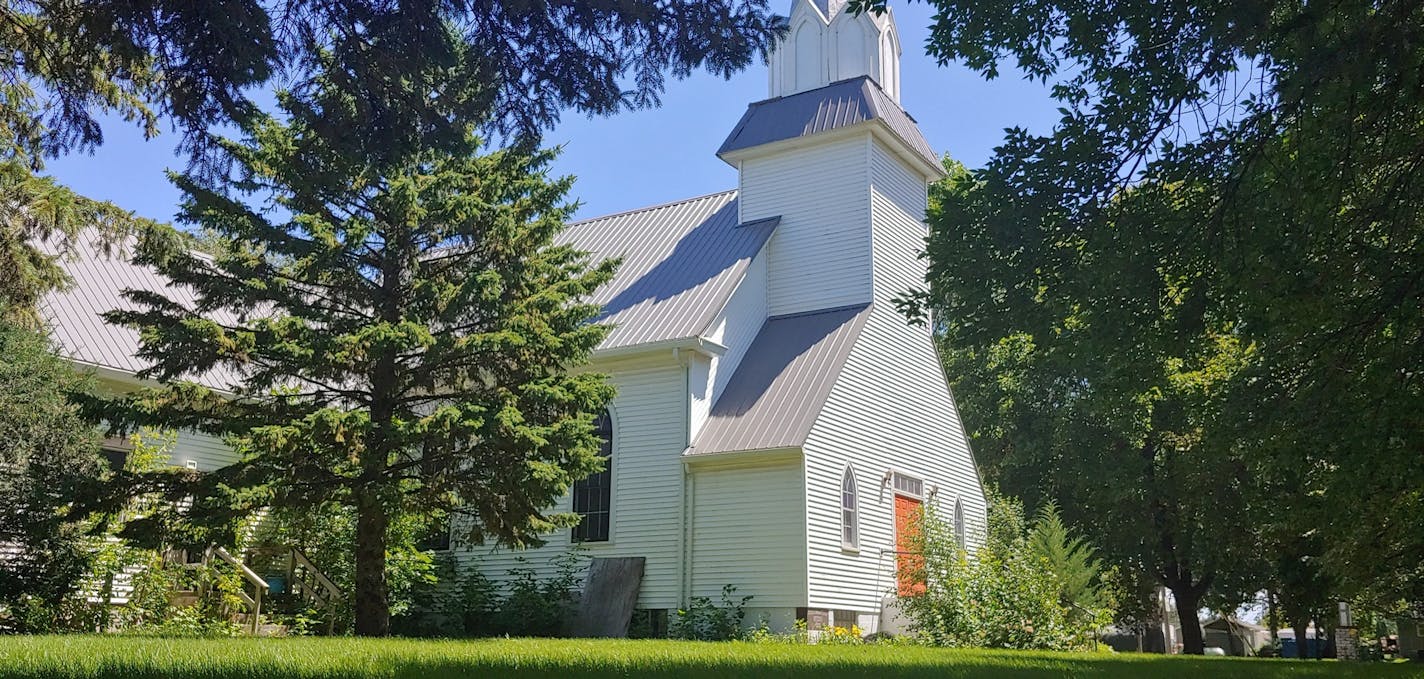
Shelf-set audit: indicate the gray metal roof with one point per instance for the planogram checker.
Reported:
(773, 399)
(681, 261)
(839, 104)
(99, 279)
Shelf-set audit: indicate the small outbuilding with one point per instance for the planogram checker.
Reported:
(1411, 638)
(1235, 637)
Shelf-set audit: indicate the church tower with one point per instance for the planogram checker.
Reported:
(827, 44)
(847, 171)
(834, 155)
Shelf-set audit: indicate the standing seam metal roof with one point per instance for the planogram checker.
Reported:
(681, 262)
(99, 279)
(837, 105)
(778, 391)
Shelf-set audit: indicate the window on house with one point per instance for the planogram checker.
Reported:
(593, 496)
(959, 524)
(436, 537)
(850, 515)
(115, 458)
(908, 486)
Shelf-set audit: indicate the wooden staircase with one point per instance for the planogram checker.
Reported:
(304, 580)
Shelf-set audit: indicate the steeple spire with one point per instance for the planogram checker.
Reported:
(829, 8)
(826, 44)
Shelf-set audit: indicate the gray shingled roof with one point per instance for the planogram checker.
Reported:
(781, 385)
(839, 104)
(99, 281)
(681, 261)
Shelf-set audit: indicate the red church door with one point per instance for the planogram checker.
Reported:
(909, 564)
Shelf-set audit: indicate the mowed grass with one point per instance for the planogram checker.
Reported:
(132, 657)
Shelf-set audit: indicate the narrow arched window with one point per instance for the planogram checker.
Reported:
(959, 524)
(593, 496)
(850, 513)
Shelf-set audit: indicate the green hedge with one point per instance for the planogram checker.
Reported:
(119, 657)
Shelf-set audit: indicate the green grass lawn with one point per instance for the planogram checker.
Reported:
(93, 656)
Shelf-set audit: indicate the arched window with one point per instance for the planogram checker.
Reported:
(593, 496)
(850, 514)
(959, 524)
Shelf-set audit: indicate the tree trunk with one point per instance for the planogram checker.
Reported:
(373, 609)
(1273, 617)
(1188, 599)
(1300, 625)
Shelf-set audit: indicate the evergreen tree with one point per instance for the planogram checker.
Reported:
(399, 328)
(196, 64)
(1072, 560)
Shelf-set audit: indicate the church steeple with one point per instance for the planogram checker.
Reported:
(827, 43)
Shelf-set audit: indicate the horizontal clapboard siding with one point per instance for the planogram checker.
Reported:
(749, 532)
(891, 409)
(820, 255)
(735, 328)
(207, 451)
(898, 202)
(647, 476)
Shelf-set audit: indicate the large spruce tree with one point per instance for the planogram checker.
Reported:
(400, 328)
(197, 65)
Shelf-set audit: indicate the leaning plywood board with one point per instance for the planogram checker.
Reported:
(609, 595)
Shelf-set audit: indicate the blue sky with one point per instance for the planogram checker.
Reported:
(651, 156)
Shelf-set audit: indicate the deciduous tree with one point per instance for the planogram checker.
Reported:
(49, 460)
(1222, 172)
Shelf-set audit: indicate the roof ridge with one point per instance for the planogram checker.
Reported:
(817, 312)
(648, 208)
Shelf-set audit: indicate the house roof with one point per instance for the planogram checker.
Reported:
(840, 104)
(99, 279)
(777, 392)
(1219, 622)
(681, 262)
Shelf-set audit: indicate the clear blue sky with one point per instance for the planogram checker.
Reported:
(650, 156)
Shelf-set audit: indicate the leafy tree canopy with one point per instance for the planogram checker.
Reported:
(49, 460)
(1219, 243)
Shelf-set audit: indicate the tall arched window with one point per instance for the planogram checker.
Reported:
(959, 524)
(593, 496)
(850, 514)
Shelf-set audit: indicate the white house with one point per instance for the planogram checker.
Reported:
(777, 420)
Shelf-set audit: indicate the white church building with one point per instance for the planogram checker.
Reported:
(777, 421)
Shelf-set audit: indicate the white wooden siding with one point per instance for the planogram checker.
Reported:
(209, 452)
(898, 203)
(820, 255)
(890, 410)
(649, 438)
(749, 531)
(735, 328)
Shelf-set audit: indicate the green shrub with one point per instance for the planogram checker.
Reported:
(704, 621)
(527, 606)
(541, 608)
(1003, 596)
